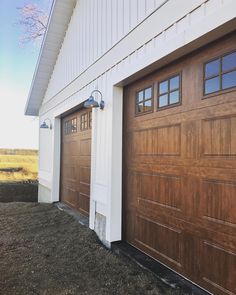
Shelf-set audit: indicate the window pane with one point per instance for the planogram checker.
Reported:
(212, 68)
(148, 105)
(174, 97)
(163, 87)
(229, 61)
(212, 85)
(148, 93)
(163, 100)
(174, 83)
(229, 80)
(140, 96)
(140, 108)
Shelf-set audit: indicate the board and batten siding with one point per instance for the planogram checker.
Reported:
(94, 28)
(86, 62)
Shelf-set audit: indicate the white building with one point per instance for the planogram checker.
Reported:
(167, 74)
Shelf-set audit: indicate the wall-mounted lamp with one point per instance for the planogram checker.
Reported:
(44, 125)
(92, 103)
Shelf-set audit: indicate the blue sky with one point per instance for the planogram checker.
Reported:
(17, 65)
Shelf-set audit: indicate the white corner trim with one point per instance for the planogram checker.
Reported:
(56, 164)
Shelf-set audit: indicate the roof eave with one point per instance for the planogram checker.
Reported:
(56, 25)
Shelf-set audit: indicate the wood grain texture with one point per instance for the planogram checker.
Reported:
(76, 162)
(179, 175)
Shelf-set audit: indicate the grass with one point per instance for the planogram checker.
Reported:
(26, 163)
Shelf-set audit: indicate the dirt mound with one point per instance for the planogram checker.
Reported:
(26, 191)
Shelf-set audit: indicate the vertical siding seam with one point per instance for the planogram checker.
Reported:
(55, 79)
(117, 21)
(65, 63)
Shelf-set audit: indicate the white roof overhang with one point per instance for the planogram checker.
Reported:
(59, 19)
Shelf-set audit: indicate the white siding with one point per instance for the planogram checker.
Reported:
(96, 25)
(45, 154)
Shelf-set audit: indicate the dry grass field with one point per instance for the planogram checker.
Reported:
(18, 165)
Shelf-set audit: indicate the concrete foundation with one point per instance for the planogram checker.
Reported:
(100, 229)
(44, 194)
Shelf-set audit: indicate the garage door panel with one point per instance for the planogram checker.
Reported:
(218, 142)
(84, 161)
(84, 188)
(169, 216)
(76, 161)
(71, 148)
(193, 208)
(85, 147)
(85, 175)
(217, 174)
(179, 178)
(220, 199)
(133, 189)
(164, 190)
(70, 196)
(189, 141)
(68, 162)
(191, 184)
(223, 262)
(165, 141)
(71, 183)
(69, 172)
(218, 137)
(83, 203)
(191, 249)
(160, 238)
(198, 227)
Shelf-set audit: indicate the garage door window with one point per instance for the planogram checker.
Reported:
(71, 126)
(169, 92)
(144, 101)
(90, 119)
(220, 74)
(86, 121)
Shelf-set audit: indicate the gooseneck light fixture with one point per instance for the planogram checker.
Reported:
(44, 125)
(92, 103)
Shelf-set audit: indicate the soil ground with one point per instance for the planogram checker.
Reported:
(44, 251)
(18, 192)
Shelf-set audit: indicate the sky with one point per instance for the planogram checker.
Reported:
(17, 65)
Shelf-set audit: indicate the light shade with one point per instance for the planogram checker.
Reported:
(91, 103)
(44, 125)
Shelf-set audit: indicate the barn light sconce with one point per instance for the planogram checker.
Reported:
(44, 125)
(92, 103)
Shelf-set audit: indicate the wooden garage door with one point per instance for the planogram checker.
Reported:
(180, 166)
(76, 160)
